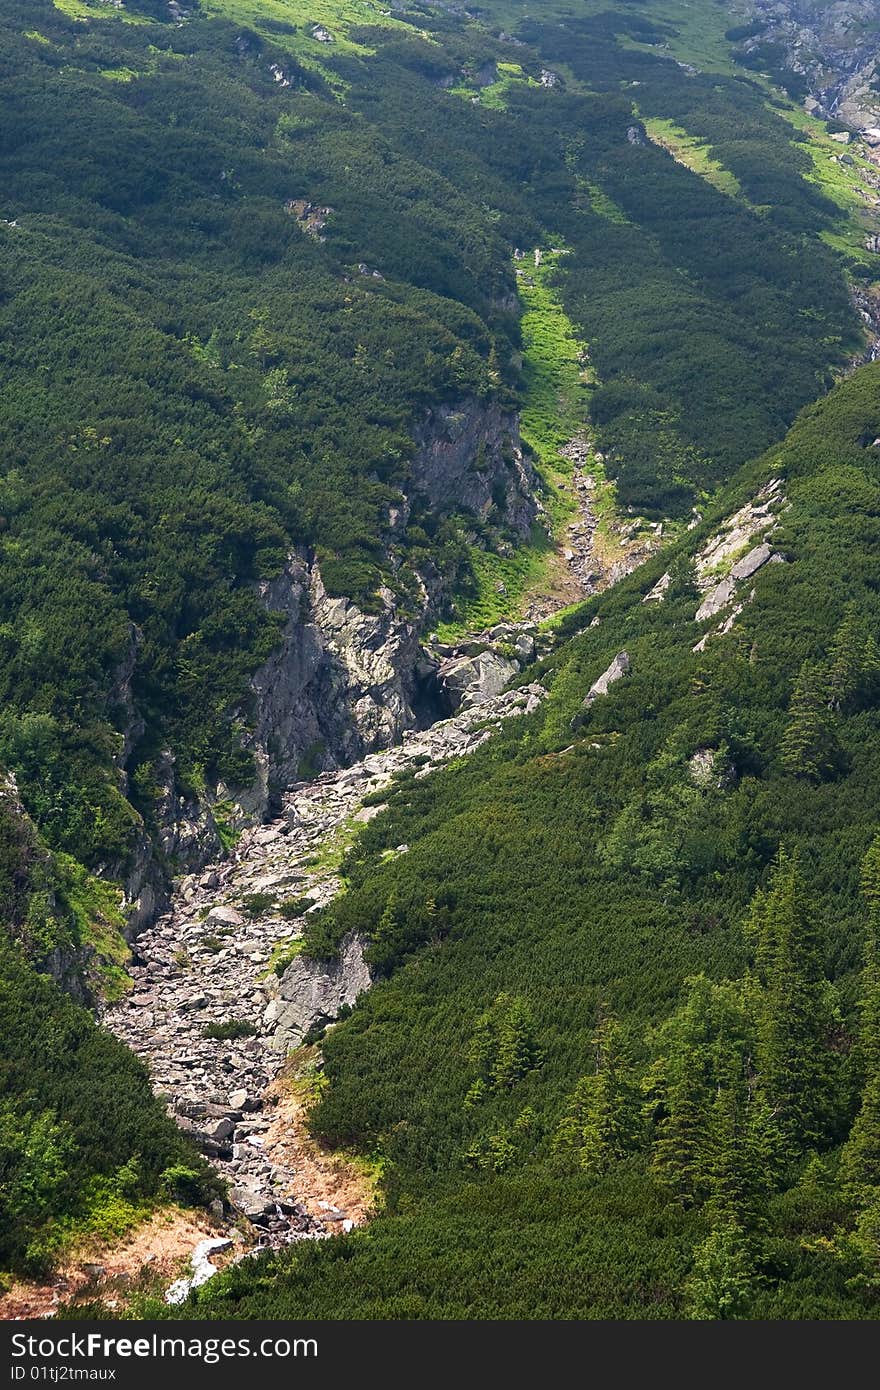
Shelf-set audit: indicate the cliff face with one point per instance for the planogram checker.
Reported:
(341, 683)
(834, 47)
(469, 457)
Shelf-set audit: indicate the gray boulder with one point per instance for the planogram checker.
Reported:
(751, 563)
(313, 991)
(716, 599)
(618, 668)
(474, 680)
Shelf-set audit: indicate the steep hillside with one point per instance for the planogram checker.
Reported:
(613, 1056)
(85, 1147)
(331, 338)
(239, 281)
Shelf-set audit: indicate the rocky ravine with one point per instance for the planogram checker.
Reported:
(210, 961)
(361, 697)
(341, 683)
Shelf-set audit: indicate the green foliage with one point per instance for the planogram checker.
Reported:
(229, 1030)
(793, 1022)
(292, 908)
(723, 1277)
(860, 1157)
(503, 1048)
(730, 1198)
(83, 1141)
(258, 904)
(196, 385)
(601, 1124)
(35, 1153)
(809, 746)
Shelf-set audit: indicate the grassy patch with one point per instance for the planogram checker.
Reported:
(501, 583)
(290, 25)
(97, 9)
(97, 908)
(557, 377)
(496, 93)
(333, 849)
(283, 953)
(841, 183)
(694, 154)
(600, 203)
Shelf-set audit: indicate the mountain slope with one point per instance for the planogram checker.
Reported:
(568, 875)
(204, 373)
(260, 425)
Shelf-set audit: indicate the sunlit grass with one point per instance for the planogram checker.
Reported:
(695, 154)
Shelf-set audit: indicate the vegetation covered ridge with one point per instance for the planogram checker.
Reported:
(241, 262)
(619, 1050)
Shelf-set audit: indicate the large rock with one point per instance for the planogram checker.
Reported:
(751, 563)
(473, 680)
(618, 668)
(313, 991)
(716, 599)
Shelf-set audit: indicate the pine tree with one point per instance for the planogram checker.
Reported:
(793, 1061)
(503, 1048)
(860, 1159)
(516, 1052)
(809, 746)
(601, 1124)
(723, 1276)
(853, 665)
(700, 1093)
(744, 1153)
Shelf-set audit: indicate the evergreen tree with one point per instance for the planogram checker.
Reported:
(744, 1152)
(601, 1124)
(791, 1012)
(854, 663)
(701, 1093)
(723, 1275)
(516, 1051)
(860, 1160)
(503, 1048)
(809, 746)
(682, 579)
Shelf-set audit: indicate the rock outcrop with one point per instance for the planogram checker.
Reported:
(313, 992)
(469, 458)
(341, 683)
(470, 680)
(833, 47)
(615, 672)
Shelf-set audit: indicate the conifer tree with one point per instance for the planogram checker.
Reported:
(601, 1124)
(853, 666)
(860, 1160)
(809, 745)
(792, 1022)
(503, 1048)
(700, 1094)
(723, 1275)
(516, 1052)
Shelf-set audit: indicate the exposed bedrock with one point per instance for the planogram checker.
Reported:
(343, 683)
